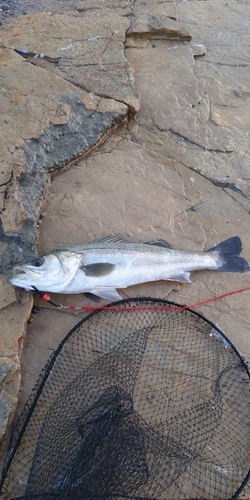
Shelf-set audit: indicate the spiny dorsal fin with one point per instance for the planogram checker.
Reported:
(112, 238)
(159, 243)
(118, 238)
(98, 269)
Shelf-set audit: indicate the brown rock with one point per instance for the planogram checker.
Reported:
(157, 26)
(39, 113)
(110, 105)
(180, 171)
(153, 200)
(41, 129)
(155, 7)
(173, 105)
(95, 61)
(13, 320)
(8, 294)
(118, 5)
(90, 100)
(43, 337)
(222, 81)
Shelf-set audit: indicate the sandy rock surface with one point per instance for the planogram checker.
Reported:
(170, 82)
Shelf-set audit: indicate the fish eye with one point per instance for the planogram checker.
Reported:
(37, 262)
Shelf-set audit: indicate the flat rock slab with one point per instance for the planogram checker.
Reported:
(89, 204)
(87, 51)
(155, 7)
(179, 171)
(46, 123)
(61, 96)
(13, 8)
(13, 321)
(153, 26)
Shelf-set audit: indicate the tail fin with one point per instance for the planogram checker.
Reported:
(228, 256)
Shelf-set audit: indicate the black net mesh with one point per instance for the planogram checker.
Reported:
(136, 405)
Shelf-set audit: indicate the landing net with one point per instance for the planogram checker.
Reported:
(145, 405)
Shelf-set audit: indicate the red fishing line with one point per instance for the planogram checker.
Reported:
(47, 298)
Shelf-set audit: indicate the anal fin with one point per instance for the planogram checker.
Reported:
(91, 296)
(107, 293)
(181, 278)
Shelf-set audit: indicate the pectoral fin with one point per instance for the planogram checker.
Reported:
(182, 278)
(98, 269)
(106, 293)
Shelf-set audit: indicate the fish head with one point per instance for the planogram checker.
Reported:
(50, 272)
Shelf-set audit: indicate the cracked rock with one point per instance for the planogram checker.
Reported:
(157, 26)
(45, 126)
(88, 51)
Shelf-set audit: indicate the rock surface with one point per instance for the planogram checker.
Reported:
(60, 125)
(157, 26)
(13, 328)
(178, 170)
(46, 123)
(88, 51)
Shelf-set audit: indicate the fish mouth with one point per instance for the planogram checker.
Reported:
(21, 271)
(18, 270)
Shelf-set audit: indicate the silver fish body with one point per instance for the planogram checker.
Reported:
(104, 265)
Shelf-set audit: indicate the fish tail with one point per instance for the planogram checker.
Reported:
(227, 253)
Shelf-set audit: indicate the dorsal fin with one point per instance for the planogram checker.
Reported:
(118, 238)
(112, 238)
(159, 243)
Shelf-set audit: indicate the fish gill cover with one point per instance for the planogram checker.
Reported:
(149, 404)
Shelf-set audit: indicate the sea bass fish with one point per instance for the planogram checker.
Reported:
(100, 267)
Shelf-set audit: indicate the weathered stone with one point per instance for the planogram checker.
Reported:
(179, 171)
(172, 120)
(119, 5)
(15, 8)
(222, 78)
(12, 328)
(155, 7)
(157, 26)
(43, 337)
(153, 199)
(44, 127)
(94, 61)
(157, 198)
(13, 320)
(8, 294)
(9, 375)
(173, 105)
